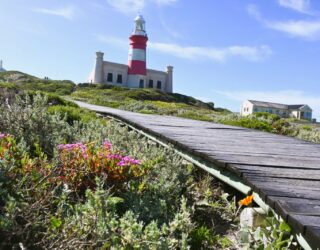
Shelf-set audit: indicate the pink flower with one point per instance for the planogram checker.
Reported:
(76, 146)
(127, 160)
(107, 145)
(4, 136)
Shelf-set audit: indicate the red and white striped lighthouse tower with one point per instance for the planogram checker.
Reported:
(137, 68)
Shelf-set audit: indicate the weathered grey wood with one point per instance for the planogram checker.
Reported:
(284, 171)
(286, 207)
(269, 171)
(248, 159)
(272, 201)
(308, 226)
(269, 189)
(301, 222)
(313, 235)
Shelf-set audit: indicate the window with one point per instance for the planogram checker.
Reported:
(255, 109)
(141, 84)
(119, 78)
(110, 77)
(158, 84)
(150, 83)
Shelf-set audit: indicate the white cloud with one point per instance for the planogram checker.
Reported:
(308, 29)
(257, 53)
(302, 6)
(298, 28)
(215, 54)
(165, 2)
(111, 40)
(135, 6)
(67, 12)
(127, 6)
(283, 96)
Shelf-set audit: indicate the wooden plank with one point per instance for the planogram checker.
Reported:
(282, 182)
(301, 222)
(313, 236)
(285, 208)
(285, 191)
(295, 174)
(247, 159)
(272, 200)
(244, 143)
(275, 171)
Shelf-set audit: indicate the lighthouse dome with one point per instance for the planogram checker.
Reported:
(139, 18)
(140, 26)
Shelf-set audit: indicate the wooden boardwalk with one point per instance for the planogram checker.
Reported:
(284, 171)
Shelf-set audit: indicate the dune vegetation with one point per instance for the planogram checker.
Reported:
(152, 101)
(72, 180)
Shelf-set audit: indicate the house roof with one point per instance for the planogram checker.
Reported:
(296, 106)
(278, 105)
(269, 104)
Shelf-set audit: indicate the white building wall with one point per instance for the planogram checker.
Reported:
(134, 81)
(130, 81)
(294, 114)
(115, 69)
(156, 76)
(246, 108)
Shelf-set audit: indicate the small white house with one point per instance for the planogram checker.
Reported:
(299, 111)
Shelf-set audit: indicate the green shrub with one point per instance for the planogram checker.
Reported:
(308, 128)
(73, 114)
(27, 82)
(267, 115)
(249, 122)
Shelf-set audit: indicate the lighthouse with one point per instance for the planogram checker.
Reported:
(135, 73)
(137, 65)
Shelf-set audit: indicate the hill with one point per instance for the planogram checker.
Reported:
(25, 81)
(150, 101)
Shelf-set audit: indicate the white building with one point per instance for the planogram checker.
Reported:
(134, 74)
(299, 111)
(1, 68)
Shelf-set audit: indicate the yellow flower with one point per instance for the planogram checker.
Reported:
(246, 201)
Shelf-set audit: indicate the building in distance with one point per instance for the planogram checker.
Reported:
(1, 67)
(134, 74)
(298, 111)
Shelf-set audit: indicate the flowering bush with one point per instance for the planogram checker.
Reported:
(81, 164)
(131, 205)
(6, 144)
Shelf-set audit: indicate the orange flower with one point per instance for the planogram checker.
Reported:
(246, 201)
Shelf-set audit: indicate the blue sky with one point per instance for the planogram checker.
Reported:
(222, 51)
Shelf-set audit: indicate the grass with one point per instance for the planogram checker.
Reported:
(151, 101)
(147, 101)
(27, 82)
